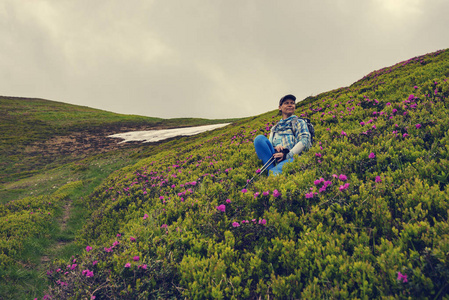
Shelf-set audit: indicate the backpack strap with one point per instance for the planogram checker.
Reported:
(295, 125)
(309, 125)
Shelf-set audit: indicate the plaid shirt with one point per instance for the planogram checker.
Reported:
(282, 133)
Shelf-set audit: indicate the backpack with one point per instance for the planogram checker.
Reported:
(309, 126)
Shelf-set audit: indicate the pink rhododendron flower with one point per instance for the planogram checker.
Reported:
(119, 235)
(88, 248)
(235, 224)
(318, 154)
(164, 226)
(405, 135)
(378, 179)
(144, 267)
(276, 193)
(132, 239)
(257, 171)
(136, 258)
(362, 123)
(411, 97)
(343, 177)
(244, 191)
(256, 194)
(221, 208)
(228, 201)
(418, 126)
(263, 222)
(372, 155)
(127, 265)
(309, 195)
(343, 133)
(95, 262)
(145, 216)
(344, 187)
(402, 277)
(266, 193)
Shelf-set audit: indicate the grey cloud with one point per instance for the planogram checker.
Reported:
(212, 59)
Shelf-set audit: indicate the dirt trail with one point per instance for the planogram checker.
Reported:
(47, 258)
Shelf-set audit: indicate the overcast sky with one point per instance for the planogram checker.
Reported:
(205, 58)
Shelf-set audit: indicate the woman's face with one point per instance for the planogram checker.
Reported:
(287, 108)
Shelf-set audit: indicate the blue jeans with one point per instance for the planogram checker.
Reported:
(265, 150)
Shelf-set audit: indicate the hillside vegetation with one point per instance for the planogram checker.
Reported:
(363, 214)
(38, 133)
(52, 155)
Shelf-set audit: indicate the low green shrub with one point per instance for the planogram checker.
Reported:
(362, 214)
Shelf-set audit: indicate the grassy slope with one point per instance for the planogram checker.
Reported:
(30, 123)
(297, 236)
(56, 177)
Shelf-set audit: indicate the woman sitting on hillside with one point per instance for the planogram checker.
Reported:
(288, 137)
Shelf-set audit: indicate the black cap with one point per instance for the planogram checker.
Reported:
(286, 97)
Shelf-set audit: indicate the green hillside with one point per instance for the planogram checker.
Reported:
(363, 214)
(29, 129)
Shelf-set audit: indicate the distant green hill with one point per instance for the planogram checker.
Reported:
(27, 124)
(363, 214)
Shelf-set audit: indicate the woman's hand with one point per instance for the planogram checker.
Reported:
(279, 156)
(279, 148)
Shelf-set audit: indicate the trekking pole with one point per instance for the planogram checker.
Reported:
(265, 166)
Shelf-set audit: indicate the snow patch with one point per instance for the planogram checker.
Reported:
(159, 135)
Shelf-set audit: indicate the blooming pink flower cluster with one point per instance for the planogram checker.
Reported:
(88, 273)
(323, 188)
(221, 208)
(402, 277)
(115, 244)
(311, 194)
(253, 221)
(61, 283)
(344, 186)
